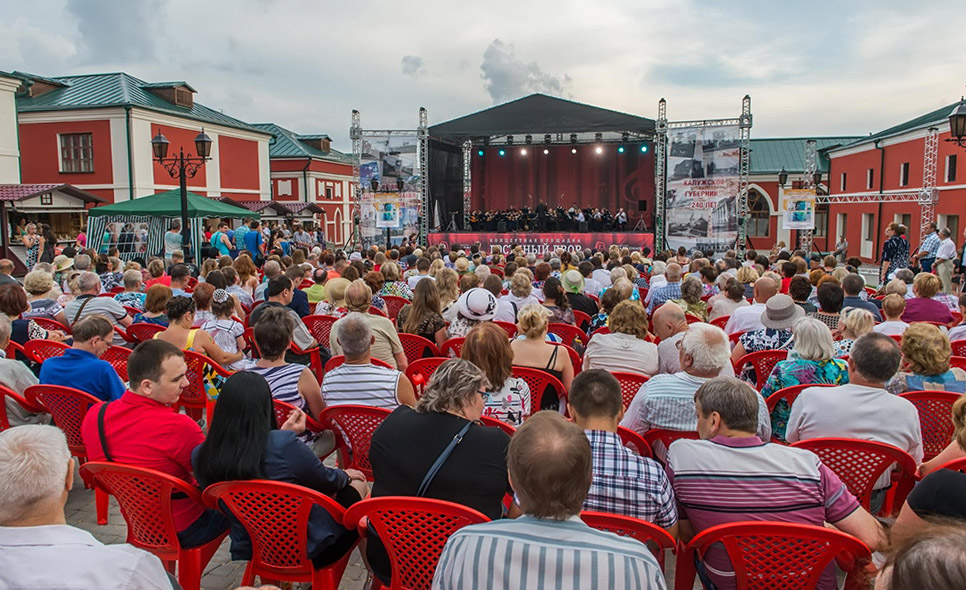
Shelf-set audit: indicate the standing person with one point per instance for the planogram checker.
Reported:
(220, 240)
(945, 259)
(31, 241)
(239, 237)
(621, 220)
(254, 242)
(929, 249)
(48, 243)
(895, 252)
(841, 249)
(173, 240)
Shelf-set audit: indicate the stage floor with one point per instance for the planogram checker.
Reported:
(539, 242)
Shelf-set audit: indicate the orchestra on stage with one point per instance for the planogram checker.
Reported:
(543, 218)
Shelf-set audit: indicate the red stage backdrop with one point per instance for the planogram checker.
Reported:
(610, 179)
(538, 243)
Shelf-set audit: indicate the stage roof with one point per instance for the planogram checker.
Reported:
(538, 114)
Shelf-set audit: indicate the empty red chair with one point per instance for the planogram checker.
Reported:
(413, 531)
(659, 440)
(768, 555)
(320, 326)
(21, 401)
(859, 463)
(542, 383)
(959, 347)
(353, 426)
(582, 319)
(276, 517)
(634, 442)
(144, 496)
(935, 419)
(49, 324)
(41, 350)
(421, 370)
(394, 304)
(720, 322)
(507, 428)
(452, 347)
(763, 362)
(340, 359)
(117, 356)
(417, 347)
(575, 361)
(566, 332)
(657, 539)
(509, 327)
(630, 385)
(142, 332)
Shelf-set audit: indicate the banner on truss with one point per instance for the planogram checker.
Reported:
(389, 176)
(798, 209)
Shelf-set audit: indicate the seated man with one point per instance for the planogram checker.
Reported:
(551, 470)
(88, 303)
(358, 381)
(80, 366)
(300, 301)
(280, 292)
(316, 292)
(853, 285)
(271, 270)
(670, 325)
(730, 475)
(667, 401)
(180, 275)
(863, 409)
(142, 429)
(624, 483)
(746, 319)
(37, 547)
(658, 296)
(385, 343)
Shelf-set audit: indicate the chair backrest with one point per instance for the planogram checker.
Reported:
(376, 311)
(935, 410)
(720, 322)
(692, 319)
(762, 554)
(340, 359)
(540, 382)
(790, 394)
(509, 327)
(582, 319)
(420, 371)
(575, 361)
(131, 311)
(16, 351)
(630, 384)
(959, 347)
(142, 331)
(67, 406)
(635, 442)
(249, 336)
(117, 356)
(282, 411)
(507, 428)
(566, 332)
(393, 304)
(955, 464)
(958, 361)
(859, 463)
(353, 427)
(414, 531)
(659, 440)
(144, 496)
(49, 324)
(6, 392)
(41, 350)
(452, 347)
(196, 395)
(733, 338)
(276, 517)
(601, 330)
(320, 326)
(763, 362)
(896, 337)
(656, 538)
(416, 347)
(496, 270)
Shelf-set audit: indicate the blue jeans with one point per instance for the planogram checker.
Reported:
(927, 263)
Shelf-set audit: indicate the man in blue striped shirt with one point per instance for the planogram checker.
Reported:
(927, 251)
(549, 547)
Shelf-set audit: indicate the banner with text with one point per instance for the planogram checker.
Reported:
(702, 187)
(540, 242)
(798, 209)
(389, 175)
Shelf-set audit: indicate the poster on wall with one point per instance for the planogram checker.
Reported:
(798, 209)
(702, 187)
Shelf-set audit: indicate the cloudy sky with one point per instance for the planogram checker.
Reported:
(812, 68)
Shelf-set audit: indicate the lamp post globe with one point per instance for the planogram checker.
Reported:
(159, 145)
(957, 123)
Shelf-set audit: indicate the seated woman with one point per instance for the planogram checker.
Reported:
(779, 316)
(731, 297)
(155, 305)
(690, 301)
(39, 286)
(475, 306)
(13, 303)
(922, 307)
(608, 302)
(556, 301)
(508, 398)
(422, 317)
(334, 302)
(747, 276)
(535, 352)
(244, 442)
(625, 348)
(520, 296)
(375, 281)
(448, 285)
(800, 290)
(474, 474)
(202, 296)
(925, 363)
(830, 300)
(854, 323)
(812, 361)
(290, 382)
(393, 284)
(182, 333)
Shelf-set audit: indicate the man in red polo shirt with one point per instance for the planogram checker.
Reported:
(142, 429)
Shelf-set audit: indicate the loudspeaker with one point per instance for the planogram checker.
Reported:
(501, 226)
(582, 226)
(642, 205)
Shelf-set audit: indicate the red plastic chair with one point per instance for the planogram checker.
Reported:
(142, 331)
(394, 304)
(635, 442)
(420, 371)
(21, 401)
(582, 320)
(306, 283)
(763, 362)
(567, 333)
(194, 398)
(935, 419)
(276, 517)
(896, 337)
(509, 327)
(414, 531)
(131, 311)
(315, 359)
(144, 496)
(859, 463)
(540, 382)
(720, 322)
(493, 422)
(41, 350)
(575, 360)
(376, 311)
(660, 440)
(496, 270)
(340, 359)
(959, 347)
(282, 411)
(452, 347)
(353, 426)
(417, 347)
(124, 335)
(642, 291)
(789, 394)
(955, 465)
(692, 319)
(249, 336)
(630, 384)
(17, 351)
(601, 330)
(320, 326)
(657, 539)
(49, 324)
(733, 338)
(117, 356)
(958, 361)
(768, 555)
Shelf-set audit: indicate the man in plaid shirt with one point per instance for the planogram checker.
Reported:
(670, 290)
(624, 483)
(928, 249)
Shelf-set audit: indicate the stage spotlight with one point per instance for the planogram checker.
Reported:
(620, 149)
(547, 139)
(599, 150)
(502, 153)
(598, 137)
(625, 136)
(528, 139)
(573, 139)
(479, 153)
(545, 151)
(509, 140)
(573, 150)
(523, 151)
(644, 149)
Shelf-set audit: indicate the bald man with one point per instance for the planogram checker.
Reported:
(746, 319)
(670, 326)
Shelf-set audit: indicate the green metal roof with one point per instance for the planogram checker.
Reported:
(936, 117)
(174, 84)
(770, 155)
(168, 204)
(288, 145)
(118, 89)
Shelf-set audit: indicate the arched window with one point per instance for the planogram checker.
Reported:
(758, 214)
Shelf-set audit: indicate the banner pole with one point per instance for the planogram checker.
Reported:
(744, 171)
(660, 178)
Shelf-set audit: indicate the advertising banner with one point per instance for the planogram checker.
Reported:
(540, 242)
(798, 209)
(387, 210)
(702, 187)
(389, 174)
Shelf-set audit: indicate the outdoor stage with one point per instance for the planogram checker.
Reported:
(539, 242)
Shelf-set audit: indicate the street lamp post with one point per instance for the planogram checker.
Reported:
(183, 166)
(957, 124)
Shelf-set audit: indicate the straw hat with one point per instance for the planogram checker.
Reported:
(62, 263)
(572, 281)
(781, 312)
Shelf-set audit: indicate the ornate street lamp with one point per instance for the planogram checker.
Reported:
(183, 166)
(782, 177)
(957, 124)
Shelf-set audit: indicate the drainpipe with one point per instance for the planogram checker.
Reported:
(130, 153)
(878, 231)
(305, 178)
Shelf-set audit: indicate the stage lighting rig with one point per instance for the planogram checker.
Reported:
(573, 139)
(573, 150)
(502, 152)
(547, 139)
(599, 150)
(528, 139)
(509, 140)
(620, 149)
(598, 137)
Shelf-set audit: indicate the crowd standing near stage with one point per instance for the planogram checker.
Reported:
(548, 365)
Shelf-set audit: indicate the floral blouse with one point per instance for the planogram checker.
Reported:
(896, 253)
(397, 289)
(799, 371)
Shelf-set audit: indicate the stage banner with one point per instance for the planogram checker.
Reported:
(702, 187)
(540, 242)
(387, 210)
(389, 164)
(798, 209)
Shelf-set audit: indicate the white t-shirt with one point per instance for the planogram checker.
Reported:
(746, 319)
(415, 279)
(891, 328)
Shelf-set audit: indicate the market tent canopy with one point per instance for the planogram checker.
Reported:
(168, 204)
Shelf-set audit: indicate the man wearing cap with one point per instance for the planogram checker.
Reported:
(573, 284)
(474, 306)
(781, 313)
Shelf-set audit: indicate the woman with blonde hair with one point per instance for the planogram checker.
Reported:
(394, 284)
(39, 286)
(853, 323)
(507, 398)
(422, 317)
(535, 352)
(436, 266)
(747, 277)
(334, 302)
(520, 295)
(625, 348)
(447, 283)
(925, 362)
(247, 273)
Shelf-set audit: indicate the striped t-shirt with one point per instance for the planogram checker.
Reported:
(365, 385)
(284, 382)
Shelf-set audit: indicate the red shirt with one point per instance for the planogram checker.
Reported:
(162, 280)
(146, 433)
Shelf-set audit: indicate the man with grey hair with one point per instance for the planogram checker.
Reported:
(358, 381)
(271, 269)
(6, 270)
(37, 547)
(667, 401)
(88, 303)
(670, 290)
(944, 260)
(385, 340)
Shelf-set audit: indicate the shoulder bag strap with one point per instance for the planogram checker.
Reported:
(100, 432)
(81, 309)
(431, 474)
